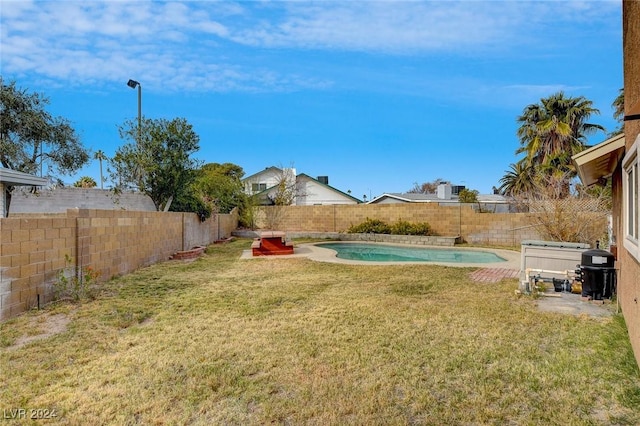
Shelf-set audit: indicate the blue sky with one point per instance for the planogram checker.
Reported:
(378, 95)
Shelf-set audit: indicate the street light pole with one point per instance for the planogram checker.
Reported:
(133, 84)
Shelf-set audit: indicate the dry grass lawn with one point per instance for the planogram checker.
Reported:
(229, 341)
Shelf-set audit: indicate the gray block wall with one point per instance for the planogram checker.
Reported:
(58, 200)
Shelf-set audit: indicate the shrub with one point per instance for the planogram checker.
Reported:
(191, 203)
(370, 226)
(72, 286)
(401, 227)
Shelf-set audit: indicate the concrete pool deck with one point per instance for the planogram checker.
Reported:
(320, 254)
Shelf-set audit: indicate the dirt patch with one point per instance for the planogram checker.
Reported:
(49, 326)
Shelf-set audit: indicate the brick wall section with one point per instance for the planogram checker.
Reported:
(111, 242)
(508, 229)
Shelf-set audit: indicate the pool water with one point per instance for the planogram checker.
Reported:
(387, 253)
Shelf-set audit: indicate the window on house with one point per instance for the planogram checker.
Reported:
(631, 210)
(258, 187)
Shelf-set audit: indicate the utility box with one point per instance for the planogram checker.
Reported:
(550, 256)
(598, 274)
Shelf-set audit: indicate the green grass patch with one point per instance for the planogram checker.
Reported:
(228, 341)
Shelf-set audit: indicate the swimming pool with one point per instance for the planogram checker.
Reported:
(388, 253)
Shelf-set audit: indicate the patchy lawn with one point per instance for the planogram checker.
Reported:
(221, 340)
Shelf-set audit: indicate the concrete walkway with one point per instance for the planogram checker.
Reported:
(572, 304)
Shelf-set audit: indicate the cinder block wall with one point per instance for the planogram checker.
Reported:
(33, 247)
(32, 251)
(508, 229)
(115, 243)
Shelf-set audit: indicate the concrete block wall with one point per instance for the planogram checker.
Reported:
(58, 200)
(507, 229)
(111, 242)
(114, 243)
(32, 251)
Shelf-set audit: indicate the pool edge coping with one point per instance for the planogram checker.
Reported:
(319, 254)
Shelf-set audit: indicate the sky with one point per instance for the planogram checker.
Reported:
(376, 95)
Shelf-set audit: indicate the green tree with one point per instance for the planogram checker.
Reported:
(85, 182)
(468, 196)
(30, 136)
(189, 201)
(157, 161)
(552, 131)
(100, 156)
(220, 184)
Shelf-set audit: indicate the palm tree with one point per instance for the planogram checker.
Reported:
(99, 155)
(554, 130)
(85, 182)
(618, 112)
(518, 180)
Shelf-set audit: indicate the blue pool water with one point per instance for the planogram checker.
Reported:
(386, 253)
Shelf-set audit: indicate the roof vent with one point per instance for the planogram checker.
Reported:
(323, 179)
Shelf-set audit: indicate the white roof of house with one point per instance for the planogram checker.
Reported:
(433, 198)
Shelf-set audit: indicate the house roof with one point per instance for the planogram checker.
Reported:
(16, 178)
(329, 186)
(267, 169)
(407, 197)
(410, 197)
(600, 160)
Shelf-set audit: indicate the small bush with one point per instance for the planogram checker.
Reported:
(74, 287)
(401, 227)
(370, 226)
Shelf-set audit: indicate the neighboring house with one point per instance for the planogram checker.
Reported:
(307, 191)
(266, 179)
(447, 194)
(619, 158)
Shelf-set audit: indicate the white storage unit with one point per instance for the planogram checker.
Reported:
(550, 256)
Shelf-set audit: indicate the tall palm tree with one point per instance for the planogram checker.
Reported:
(100, 156)
(553, 130)
(518, 180)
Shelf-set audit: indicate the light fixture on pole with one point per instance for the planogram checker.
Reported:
(133, 84)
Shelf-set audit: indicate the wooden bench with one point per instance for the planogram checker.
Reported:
(271, 243)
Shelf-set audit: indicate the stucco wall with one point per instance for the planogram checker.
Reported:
(111, 242)
(629, 268)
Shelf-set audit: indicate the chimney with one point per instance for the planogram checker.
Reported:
(444, 191)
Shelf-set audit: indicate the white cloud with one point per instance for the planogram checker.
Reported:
(211, 45)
